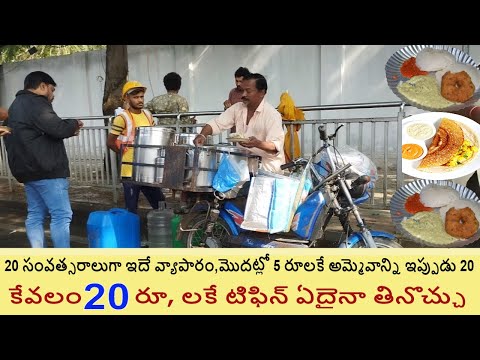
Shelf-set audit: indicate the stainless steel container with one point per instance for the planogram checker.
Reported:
(187, 139)
(148, 146)
(207, 160)
(159, 165)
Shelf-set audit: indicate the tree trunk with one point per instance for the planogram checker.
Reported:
(115, 76)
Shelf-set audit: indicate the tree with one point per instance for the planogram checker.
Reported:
(116, 65)
(115, 76)
(15, 53)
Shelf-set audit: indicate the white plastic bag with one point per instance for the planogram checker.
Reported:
(258, 204)
(118, 111)
(271, 203)
(281, 212)
(361, 163)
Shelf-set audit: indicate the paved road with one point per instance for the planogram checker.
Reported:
(86, 199)
(12, 231)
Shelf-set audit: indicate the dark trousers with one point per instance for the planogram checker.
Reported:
(132, 193)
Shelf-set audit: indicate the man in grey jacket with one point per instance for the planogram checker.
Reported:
(38, 159)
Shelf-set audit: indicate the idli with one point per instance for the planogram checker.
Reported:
(430, 59)
(434, 195)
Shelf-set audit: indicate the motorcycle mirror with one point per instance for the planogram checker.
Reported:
(361, 180)
(335, 133)
(323, 132)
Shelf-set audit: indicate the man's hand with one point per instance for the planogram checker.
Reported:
(5, 130)
(80, 125)
(226, 104)
(199, 140)
(252, 142)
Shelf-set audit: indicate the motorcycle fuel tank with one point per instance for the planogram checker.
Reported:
(307, 214)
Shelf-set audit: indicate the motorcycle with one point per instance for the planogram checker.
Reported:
(215, 221)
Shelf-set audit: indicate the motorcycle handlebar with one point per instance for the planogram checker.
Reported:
(293, 163)
(287, 165)
(333, 175)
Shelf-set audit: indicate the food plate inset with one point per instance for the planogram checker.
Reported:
(394, 76)
(237, 139)
(398, 212)
(420, 145)
(445, 173)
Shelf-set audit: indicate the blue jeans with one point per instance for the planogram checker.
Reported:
(131, 193)
(44, 197)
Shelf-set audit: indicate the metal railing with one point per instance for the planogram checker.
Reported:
(93, 164)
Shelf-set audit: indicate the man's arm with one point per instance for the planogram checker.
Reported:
(472, 112)
(46, 120)
(183, 107)
(227, 103)
(274, 136)
(111, 143)
(118, 126)
(3, 114)
(267, 146)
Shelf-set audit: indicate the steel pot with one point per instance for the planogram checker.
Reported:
(149, 145)
(238, 153)
(207, 160)
(187, 139)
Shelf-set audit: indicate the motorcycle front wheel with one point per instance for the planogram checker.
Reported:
(380, 242)
(193, 239)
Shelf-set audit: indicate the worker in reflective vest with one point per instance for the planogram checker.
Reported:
(123, 141)
(122, 134)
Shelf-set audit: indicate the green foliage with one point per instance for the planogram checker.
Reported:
(14, 53)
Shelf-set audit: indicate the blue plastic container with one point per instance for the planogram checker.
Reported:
(115, 228)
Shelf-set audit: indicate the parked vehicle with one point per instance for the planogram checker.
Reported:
(337, 191)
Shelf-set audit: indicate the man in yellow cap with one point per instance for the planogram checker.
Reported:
(122, 134)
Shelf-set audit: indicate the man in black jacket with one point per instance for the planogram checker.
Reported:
(38, 159)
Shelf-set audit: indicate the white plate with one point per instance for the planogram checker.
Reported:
(394, 76)
(398, 212)
(238, 139)
(410, 167)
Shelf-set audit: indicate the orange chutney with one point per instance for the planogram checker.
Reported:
(411, 151)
